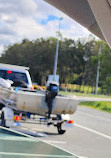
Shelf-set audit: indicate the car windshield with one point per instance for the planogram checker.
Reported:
(13, 75)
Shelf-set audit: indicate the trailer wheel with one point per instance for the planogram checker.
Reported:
(59, 128)
(3, 123)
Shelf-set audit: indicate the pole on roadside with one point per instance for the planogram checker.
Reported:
(57, 49)
(98, 69)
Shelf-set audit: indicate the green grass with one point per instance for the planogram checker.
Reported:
(99, 105)
(75, 87)
(83, 94)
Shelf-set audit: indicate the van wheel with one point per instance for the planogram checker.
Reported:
(3, 123)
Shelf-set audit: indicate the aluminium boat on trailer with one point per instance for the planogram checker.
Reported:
(34, 102)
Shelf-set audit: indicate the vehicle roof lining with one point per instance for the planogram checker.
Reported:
(80, 11)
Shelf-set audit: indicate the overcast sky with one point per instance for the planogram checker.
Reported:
(32, 19)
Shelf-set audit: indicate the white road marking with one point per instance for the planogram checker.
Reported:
(93, 131)
(55, 142)
(94, 116)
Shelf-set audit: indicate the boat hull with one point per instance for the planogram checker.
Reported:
(35, 103)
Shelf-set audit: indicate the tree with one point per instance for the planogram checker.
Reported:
(77, 60)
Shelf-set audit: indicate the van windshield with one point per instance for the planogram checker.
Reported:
(13, 75)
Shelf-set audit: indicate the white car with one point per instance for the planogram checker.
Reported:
(18, 74)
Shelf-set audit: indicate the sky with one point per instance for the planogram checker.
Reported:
(33, 19)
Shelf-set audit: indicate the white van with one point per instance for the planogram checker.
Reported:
(18, 74)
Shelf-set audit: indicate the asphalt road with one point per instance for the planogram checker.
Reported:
(90, 137)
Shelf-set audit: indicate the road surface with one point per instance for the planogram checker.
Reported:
(90, 137)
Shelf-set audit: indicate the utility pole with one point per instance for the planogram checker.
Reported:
(57, 49)
(98, 68)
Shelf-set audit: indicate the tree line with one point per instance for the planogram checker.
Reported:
(77, 60)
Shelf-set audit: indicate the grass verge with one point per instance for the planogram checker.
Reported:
(99, 105)
(83, 94)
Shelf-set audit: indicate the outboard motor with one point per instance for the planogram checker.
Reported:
(51, 93)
